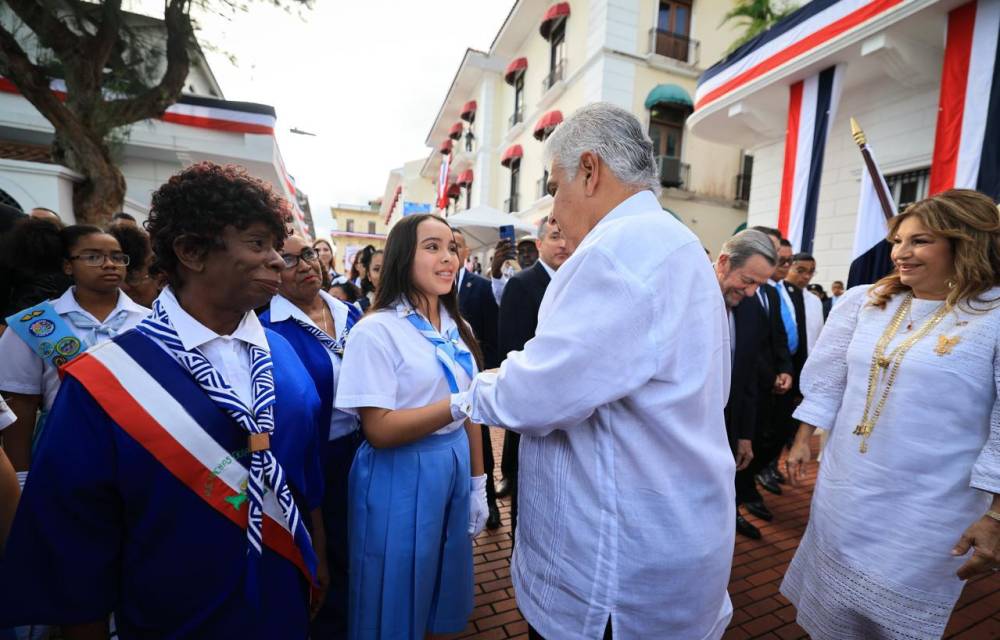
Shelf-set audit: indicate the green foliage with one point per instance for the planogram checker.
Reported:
(756, 17)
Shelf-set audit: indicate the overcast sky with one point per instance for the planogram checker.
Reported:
(367, 77)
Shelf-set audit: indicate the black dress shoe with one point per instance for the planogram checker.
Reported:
(765, 480)
(743, 527)
(777, 475)
(759, 509)
(493, 522)
(503, 488)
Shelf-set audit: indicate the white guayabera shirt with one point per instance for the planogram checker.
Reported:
(626, 497)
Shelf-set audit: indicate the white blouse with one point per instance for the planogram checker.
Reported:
(25, 373)
(389, 364)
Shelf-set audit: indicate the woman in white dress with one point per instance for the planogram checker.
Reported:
(905, 377)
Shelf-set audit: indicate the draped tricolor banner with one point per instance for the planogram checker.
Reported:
(967, 139)
(812, 105)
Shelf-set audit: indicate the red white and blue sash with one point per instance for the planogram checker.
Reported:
(163, 426)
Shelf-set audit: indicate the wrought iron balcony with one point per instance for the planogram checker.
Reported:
(554, 76)
(674, 45)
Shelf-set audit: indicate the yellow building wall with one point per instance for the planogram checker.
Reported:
(345, 243)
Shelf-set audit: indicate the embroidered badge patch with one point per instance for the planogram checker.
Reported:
(42, 328)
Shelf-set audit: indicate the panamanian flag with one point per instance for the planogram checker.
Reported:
(812, 105)
(967, 138)
(871, 258)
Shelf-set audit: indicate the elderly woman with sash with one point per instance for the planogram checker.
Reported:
(194, 466)
(905, 377)
(47, 335)
(316, 325)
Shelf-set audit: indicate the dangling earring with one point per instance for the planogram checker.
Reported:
(950, 284)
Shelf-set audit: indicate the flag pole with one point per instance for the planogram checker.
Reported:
(877, 181)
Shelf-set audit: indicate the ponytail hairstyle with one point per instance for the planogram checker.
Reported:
(396, 282)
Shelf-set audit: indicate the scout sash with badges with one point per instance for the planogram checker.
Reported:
(174, 429)
(48, 335)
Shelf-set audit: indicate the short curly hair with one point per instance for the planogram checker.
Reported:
(201, 201)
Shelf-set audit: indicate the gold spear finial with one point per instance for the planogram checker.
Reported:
(857, 133)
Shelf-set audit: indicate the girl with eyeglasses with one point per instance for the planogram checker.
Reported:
(43, 337)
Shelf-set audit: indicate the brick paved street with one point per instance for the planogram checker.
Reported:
(760, 611)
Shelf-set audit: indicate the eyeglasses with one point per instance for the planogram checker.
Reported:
(784, 262)
(97, 259)
(292, 260)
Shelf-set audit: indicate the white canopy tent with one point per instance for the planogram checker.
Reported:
(481, 226)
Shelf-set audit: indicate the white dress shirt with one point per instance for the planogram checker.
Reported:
(229, 354)
(389, 364)
(814, 318)
(629, 507)
(341, 423)
(25, 373)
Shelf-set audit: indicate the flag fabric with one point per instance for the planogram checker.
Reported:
(967, 138)
(870, 259)
(812, 105)
(442, 194)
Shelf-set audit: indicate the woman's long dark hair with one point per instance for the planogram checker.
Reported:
(397, 277)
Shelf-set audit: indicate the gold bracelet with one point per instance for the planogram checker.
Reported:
(994, 515)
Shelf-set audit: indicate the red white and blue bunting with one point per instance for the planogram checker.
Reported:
(812, 105)
(967, 138)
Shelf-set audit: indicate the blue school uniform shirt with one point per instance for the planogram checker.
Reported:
(283, 317)
(103, 527)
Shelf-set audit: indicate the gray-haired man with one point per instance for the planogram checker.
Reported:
(745, 263)
(626, 516)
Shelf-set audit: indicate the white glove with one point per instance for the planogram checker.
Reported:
(478, 511)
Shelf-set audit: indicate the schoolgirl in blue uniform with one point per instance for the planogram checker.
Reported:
(417, 490)
(316, 325)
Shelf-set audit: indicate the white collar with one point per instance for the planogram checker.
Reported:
(67, 302)
(461, 276)
(548, 269)
(194, 334)
(404, 308)
(282, 309)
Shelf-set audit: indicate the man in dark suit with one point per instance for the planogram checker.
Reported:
(745, 263)
(791, 297)
(479, 308)
(522, 296)
(774, 380)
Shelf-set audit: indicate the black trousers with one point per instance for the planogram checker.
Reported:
(534, 635)
(509, 469)
(488, 464)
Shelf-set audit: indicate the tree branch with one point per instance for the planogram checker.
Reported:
(51, 32)
(154, 101)
(102, 43)
(31, 81)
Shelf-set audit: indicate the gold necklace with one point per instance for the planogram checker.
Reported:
(882, 364)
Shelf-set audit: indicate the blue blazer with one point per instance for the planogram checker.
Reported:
(316, 359)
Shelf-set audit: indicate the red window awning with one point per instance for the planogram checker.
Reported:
(469, 111)
(456, 131)
(454, 191)
(512, 154)
(465, 178)
(445, 147)
(555, 15)
(515, 69)
(547, 123)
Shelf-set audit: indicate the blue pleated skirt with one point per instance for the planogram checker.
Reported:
(410, 551)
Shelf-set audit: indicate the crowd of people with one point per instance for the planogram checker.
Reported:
(218, 434)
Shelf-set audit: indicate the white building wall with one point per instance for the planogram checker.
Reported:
(899, 123)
